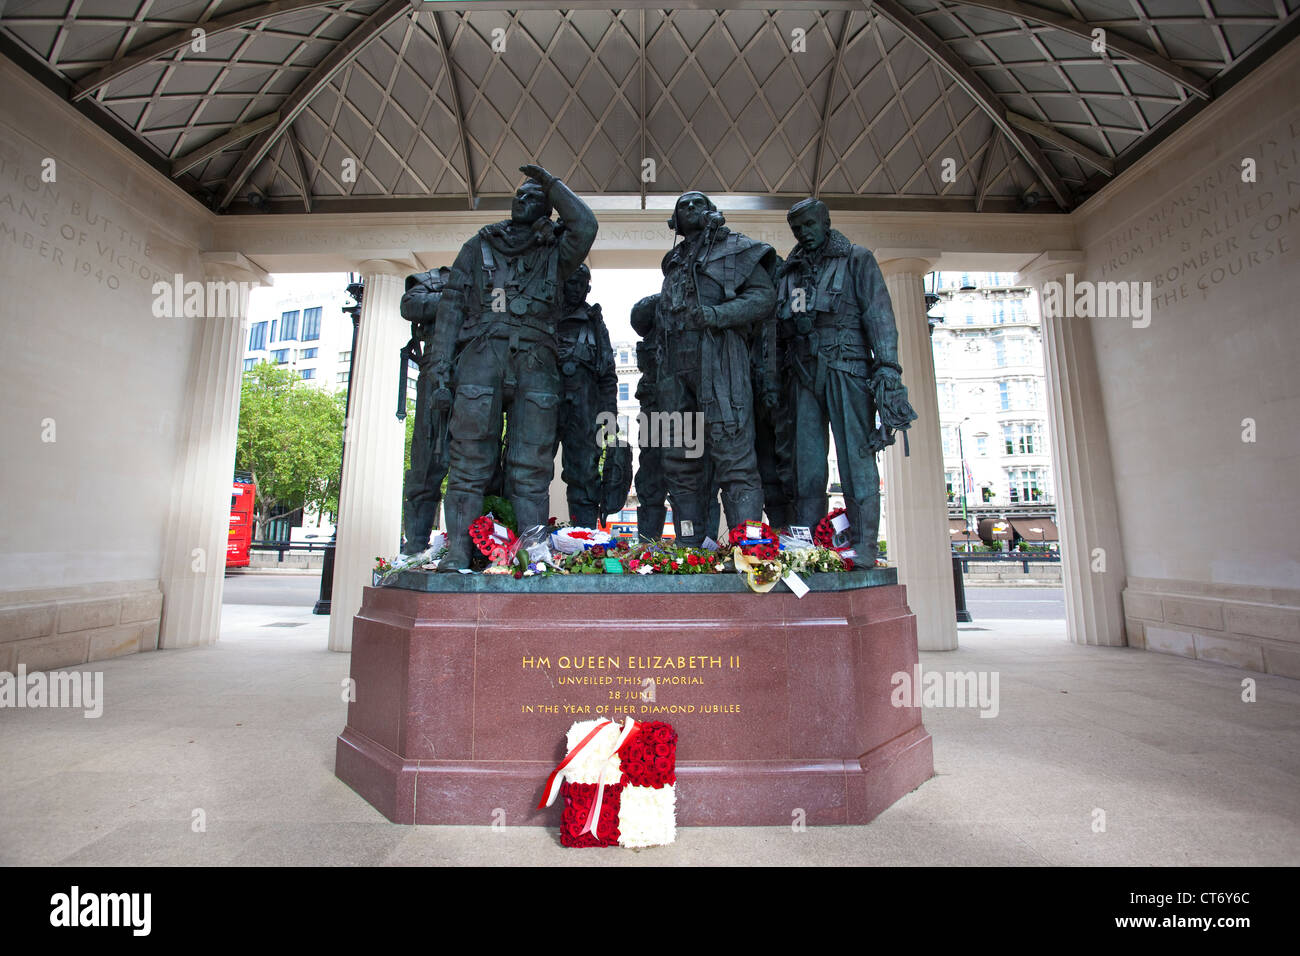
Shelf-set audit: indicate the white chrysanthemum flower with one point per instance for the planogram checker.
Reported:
(647, 817)
(586, 766)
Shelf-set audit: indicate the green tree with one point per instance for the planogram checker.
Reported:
(410, 432)
(291, 441)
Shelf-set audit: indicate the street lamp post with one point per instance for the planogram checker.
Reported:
(356, 289)
(961, 452)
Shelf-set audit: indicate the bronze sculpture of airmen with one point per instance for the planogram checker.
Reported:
(773, 418)
(716, 291)
(651, 490)
(589, 389)
(494, 345)
(423, 485)
(837, 316)
(651, 485)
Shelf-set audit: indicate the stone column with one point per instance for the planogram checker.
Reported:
(198, 525)
(370, 500)
(1092, 557)
(919, 543)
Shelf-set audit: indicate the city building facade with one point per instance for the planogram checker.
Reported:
(988, 362)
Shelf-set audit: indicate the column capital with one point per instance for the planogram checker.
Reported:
(234, 266)
(895, 261)
(1050, 265)
(401, 268)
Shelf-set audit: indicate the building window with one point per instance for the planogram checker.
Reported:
(1025, 484)
(624, 357)
(1000, 353)
(1004, 396)
(257, 337)
(250, 364)
(307, 353)
(947, 396)
(309, 373)
(982, 445)
(310, 325)
(949, 443)
(343, 377)
(1021, 438)
(345, 357)
(280, 356)
(288, 326)
(1013, 351)
(623, 392)
(951, 483)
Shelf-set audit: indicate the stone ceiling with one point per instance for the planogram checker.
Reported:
(986, 105)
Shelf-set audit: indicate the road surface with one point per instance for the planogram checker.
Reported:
(1023, 604)
(281, 588)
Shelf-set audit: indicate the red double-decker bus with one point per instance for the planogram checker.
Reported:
(242, 495)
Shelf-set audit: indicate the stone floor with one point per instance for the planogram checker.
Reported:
(240, 738)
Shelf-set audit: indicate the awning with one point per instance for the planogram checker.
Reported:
(957, 531)
(995, 529)
(1036, 529)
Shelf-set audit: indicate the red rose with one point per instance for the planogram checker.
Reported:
(578, 801)
(663, 734)
(663, 750)
(663, 765)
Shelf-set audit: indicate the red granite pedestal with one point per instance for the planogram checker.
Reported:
(782, 704)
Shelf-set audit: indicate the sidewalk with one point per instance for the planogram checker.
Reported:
(240, 738)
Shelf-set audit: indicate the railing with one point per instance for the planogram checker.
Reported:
(1023, 558)
(283, 546)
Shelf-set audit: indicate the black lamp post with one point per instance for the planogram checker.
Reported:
(356, 289)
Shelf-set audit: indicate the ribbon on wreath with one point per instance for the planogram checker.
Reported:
(592, 824)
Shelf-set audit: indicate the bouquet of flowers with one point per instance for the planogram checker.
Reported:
(761, 574)
(386, 570)
(618, 784)
(813, 560)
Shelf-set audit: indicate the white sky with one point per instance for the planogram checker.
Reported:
(617, 290)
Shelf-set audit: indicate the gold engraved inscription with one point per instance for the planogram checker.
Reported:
(644, 686)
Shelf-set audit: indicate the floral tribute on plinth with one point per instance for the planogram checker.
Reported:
(618, 784)
(761, 554)
(830, 530)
